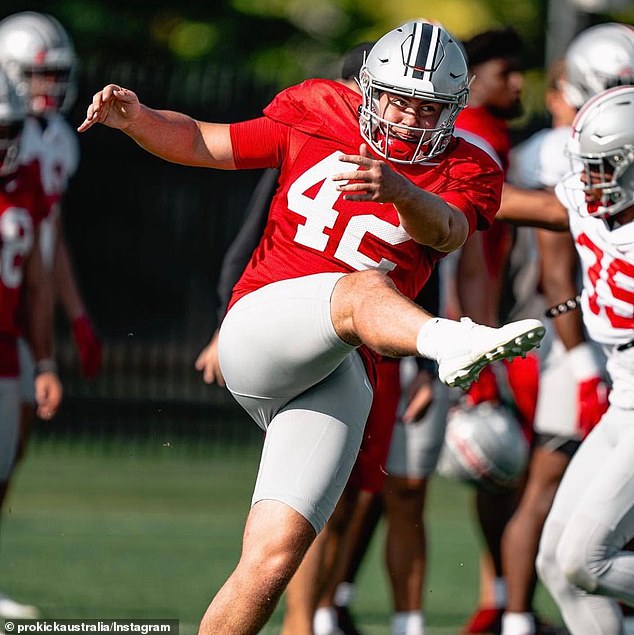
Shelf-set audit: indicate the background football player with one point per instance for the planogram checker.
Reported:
(25, 298)
(581, 557)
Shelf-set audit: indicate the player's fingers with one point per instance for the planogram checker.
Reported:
(357, 175)
(199, 364)
(354, 187)
(220, 380)
(359, 159)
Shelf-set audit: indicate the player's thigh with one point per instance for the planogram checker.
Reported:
(279, 340)
(312, 443)
(9, 425)
(606, 503)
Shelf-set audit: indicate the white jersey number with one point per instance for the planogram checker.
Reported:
(320, 215)
(16, 240)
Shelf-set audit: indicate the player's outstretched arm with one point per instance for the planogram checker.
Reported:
(534, 208)
(173, 136)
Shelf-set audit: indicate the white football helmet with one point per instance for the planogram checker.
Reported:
(598, 58)
(416, 60)
(12, 114)
(39, 57)
(602, 153)
(484, 445)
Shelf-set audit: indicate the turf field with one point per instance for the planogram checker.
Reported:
(150, 529)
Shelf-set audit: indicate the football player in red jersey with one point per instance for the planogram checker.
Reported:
(24, 290)
(372, 194)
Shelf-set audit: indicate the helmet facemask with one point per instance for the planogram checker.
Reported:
(401, 143)
(601, 150)
(47, 88)
(606, 180)
(416, 61)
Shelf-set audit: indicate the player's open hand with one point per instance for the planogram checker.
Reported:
(374, 180)
(420, 397)
(207, 362)
(113, 106)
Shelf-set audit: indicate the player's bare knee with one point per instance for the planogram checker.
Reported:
(271, 563)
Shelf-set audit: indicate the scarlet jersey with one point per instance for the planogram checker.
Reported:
(23, 205)
(311, 228)
(607, 260)
(482, 125)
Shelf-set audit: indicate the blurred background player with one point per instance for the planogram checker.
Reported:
(38, 55)
(582, 558)
(573, 392)
(25, 298)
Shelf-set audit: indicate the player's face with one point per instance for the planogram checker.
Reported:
(46, 89)
(409, 112)
(596, 174)
(499, 83)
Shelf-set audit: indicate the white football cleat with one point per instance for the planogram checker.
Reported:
(10, 609)
(484, 345)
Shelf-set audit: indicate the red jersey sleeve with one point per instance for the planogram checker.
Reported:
(258, 143)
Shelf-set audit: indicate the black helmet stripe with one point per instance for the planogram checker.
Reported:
(420, 61)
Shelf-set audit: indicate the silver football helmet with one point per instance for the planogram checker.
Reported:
(416, 60)
(602, 153)
(39, 57)
(12, 114)
(598, 58)
(484, 445)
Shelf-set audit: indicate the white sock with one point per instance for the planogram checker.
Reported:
(325, 621)
(441, 338)
(344, 593)
(499, 592)
(408, 623)
(518, 623)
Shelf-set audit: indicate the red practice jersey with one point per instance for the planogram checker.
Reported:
(23, 205)
(311, 228)
(482, 125)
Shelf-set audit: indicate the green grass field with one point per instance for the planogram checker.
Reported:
(145, 530)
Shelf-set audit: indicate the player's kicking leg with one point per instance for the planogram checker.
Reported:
(367, 308)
